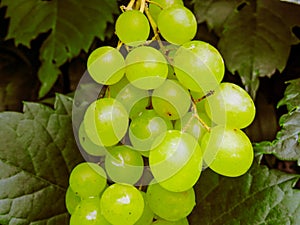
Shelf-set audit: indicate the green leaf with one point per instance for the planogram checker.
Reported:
(255, 35)
(286, 146)
(72, 24)
(37, 153)
(292, 1)
(260, 197)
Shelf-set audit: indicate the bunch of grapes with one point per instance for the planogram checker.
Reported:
(161, 115)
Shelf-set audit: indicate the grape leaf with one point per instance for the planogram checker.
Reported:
(37, 153)
(286, 146)
(292, 1)
(255, 35)
(72, 25)
(259, 197)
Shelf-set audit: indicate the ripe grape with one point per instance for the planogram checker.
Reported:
(177, 24)
(106, 65)
(147, 216)
(176, 161)
(72, 200)
(227, 151)
(124, 165)
(169, 205)
(231, 105)
(106, 121)
(155, 9)
(132, 27)
(88, 212)
(183, 221)
(133, 99)
(199, 66)
(171, 100)
(88, 179)
(122, 204)
(145, 128)
(146, 67)
(89, 146)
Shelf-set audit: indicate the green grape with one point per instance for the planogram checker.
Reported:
(146, 67)
(168, 205)
(133, 99)
(233, 103)
(147, 216)
(106, 65)
(88, 179)
(72, 200)
(132, 27)
(106, 121)
(177, 24)
(122, 204)
(176, 161)
(199, 66)
(190, 124)
(227, 151)
(155, 9)
(144, 129)
(183, 221)
(88, 212)
(124, 165)
(89, 146)
(171, 100)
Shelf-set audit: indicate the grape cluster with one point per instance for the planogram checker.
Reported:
(163, 115)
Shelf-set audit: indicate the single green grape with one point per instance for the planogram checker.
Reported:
(177, 24)
(168, 205)
(199, 66)
(155, 10)
(171, 100)
(106, 65)
(183, 221)
(176, 161)
(133, 99)
(146, 67)
(72, 200)
(124, 165)
(147, 216)
(145, 128)
(190, 124)
(88, 212)
(122, 204)
(227, 151)
(89, 146)
(106, 121)
(88, 179)
(231, 105)
(132, 27)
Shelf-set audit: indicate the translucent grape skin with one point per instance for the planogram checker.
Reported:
(88, 212)
(133, 99)
(176, 161)
(144, 129)
(106, 65)
(147, 216)
(146, 67)
(171, 100)
(106, 121)
(124, 165)
(231, 105)
(177, 24)
(227, 151)
(171, 206)
(88, 179)
(132, 27)
(199, 66)
(72, 200)
(155, 9)
(183, 221)
(89, 146)
(122, 204)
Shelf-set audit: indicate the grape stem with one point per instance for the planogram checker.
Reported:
(211, 92)
(120, 43)
(195, 114)
(155, 3)
(143, 5)
(130, 5)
